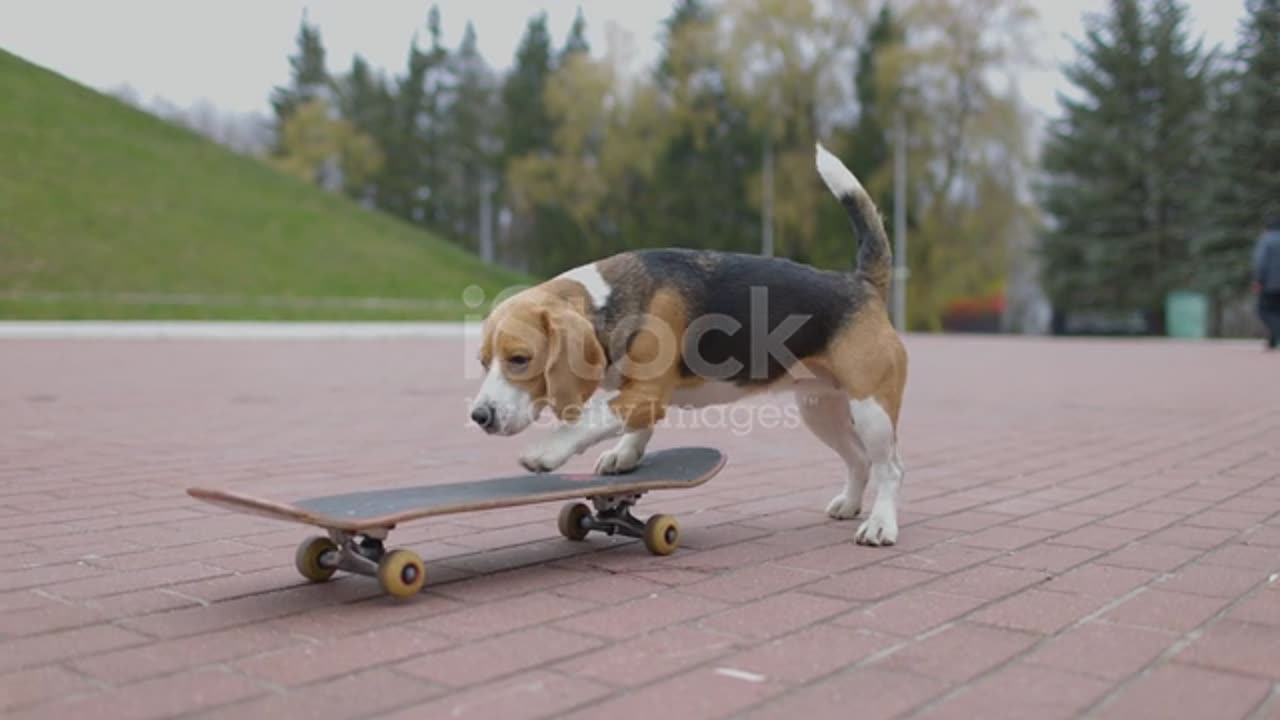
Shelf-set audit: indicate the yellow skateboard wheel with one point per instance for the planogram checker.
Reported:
(661, 534)
(401, 574)
(307, 558)
(571, 517)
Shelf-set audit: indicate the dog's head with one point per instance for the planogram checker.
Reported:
(538, 350)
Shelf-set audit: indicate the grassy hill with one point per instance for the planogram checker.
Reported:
(108, 212)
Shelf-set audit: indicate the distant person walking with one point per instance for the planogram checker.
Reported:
(1266, 278)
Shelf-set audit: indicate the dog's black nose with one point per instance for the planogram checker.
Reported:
(484, 417)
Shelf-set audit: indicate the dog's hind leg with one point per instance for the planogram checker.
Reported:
(869, 363)
(876, 431)
(827, 417)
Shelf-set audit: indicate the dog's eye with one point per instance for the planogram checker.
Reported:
(518, 362)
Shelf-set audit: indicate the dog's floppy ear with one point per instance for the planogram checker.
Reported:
(575, 361)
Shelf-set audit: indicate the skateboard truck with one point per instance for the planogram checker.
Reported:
(400, 572)
(612, 516)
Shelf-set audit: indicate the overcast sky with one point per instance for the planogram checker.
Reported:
(232, 52)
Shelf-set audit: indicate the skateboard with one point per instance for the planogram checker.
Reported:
(357, 524)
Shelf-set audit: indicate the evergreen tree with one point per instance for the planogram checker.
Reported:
(431, 125)
(364, 100)
(558, 241)
(527, 127)
(686, 14)
(527, 130)
(871, 148)
(308, 78)
(1093, 163)
(400, 188)
(414, 171)
(1245, 173)
(577, 40)
(1122, 162)
(1180, 77)
(471, 139)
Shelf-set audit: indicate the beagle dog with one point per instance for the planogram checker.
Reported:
(662, 328)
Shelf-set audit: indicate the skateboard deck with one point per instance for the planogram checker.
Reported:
(357, 522)
(678, 468)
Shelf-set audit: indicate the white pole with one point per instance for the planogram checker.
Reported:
(766, 217)
(900, 222)
(486, 222)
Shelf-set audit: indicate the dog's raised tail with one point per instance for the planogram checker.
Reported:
(875, 259)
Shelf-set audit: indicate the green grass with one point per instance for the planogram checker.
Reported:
(110, 308)
(99, 200)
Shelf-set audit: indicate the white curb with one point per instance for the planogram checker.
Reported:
(93, 329)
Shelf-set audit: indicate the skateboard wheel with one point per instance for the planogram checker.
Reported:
(571, 517)
(401, 574)
(307, 559)
(661, 534)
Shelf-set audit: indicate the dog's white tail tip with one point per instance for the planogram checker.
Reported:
(838, 178)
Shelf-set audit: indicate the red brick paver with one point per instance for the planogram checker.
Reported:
(1088, 529)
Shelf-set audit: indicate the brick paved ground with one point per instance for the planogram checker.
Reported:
(1089, 528)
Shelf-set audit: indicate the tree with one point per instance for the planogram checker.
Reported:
(699, 194)
(609, 131)
(866, 147)
(527, 127)
(527, 130)
(952, 78)
(1123, 163)
(309, 77)
(870, 149)
(326, 150)
(363, 99)
(1245, 160)
(400, 183)
(430, 129)
(1093, 165)
(640, 162)
(415, 171)
(576, 44)
(471, 140)
(1181, 72)
(782, 60)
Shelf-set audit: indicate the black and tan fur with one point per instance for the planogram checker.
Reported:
(645, 340)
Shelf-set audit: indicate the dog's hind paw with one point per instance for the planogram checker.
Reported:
(879, 529)
(842, 508)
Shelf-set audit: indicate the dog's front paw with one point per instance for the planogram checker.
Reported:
(545, 457)
(621, 459)
(842, 507)
(879, 529)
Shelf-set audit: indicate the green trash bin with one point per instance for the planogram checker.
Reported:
(1187, 314)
